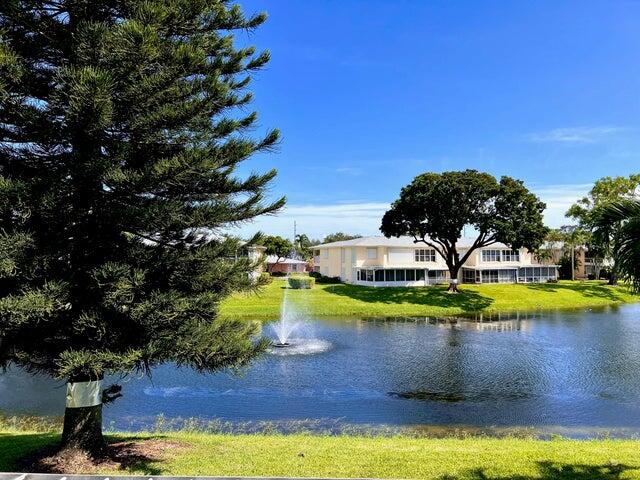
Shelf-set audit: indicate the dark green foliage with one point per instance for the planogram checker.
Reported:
(566, 267)
(324, 279)
(435, 208)
(328, 280)
(623, 217)
(121, 132)
(605, 191)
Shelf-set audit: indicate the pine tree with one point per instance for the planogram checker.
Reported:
(121, 128)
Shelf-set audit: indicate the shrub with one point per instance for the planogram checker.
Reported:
(278, 274)
(323, 279)
(315, 274)
(301, 282)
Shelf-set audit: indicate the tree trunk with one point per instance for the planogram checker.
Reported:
(83, 430)
(453, 281)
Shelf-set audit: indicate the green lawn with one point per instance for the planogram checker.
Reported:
(345, 456)
(347, 300)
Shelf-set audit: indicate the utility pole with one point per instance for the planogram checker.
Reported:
(295, 245)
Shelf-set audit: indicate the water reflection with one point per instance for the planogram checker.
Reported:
(554, 371)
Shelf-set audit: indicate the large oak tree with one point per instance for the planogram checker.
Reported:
(435, 207)
(122, 123)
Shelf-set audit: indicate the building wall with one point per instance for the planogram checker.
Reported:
(286, 267)
(526, 258)
(343, 261)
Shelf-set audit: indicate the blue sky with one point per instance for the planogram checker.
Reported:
(370, 93)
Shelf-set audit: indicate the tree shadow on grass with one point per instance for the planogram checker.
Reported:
(555, 471)
(39, 453)
(15, 446)
(467, 301)
(586, 289)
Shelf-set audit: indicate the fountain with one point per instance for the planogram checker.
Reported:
(293, 321)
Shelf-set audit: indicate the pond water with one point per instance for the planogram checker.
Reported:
(573, 371)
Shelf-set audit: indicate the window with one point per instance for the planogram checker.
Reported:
(372, 253)
(507, 276)
(490, 255)
(420, 275)
(510, 256)
(379, 275)
(399, 275)
(425, 255)
(468, 275)
(411, 275)
(490, 276)
(389, 276)
(369, 275)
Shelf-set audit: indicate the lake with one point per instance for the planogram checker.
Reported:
(577, 373)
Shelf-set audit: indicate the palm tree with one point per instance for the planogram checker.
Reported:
(618, 224)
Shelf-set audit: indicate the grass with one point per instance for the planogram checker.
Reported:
(348, 457)
(348, 300)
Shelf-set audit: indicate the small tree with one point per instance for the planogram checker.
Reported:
(277, 246)
(303, 246)
(120, 134)
(434, 208)
(574, 238)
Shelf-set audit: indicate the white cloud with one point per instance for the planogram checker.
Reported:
(574, 134)
(558, 199)
(316, 221)
(364, 217)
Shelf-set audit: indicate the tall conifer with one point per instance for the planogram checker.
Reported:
(121, 127)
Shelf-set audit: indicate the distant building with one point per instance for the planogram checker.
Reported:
(285, 265)
(381, 261)
(585, 264)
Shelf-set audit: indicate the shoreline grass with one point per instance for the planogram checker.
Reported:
(352, 300)
(303, 455)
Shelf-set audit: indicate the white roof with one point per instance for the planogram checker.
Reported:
(380, 241)
(274, 259)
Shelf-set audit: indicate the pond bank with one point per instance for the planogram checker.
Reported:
(352, 300)
(344, 456)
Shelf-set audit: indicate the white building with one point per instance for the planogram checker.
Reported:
(400, 262)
